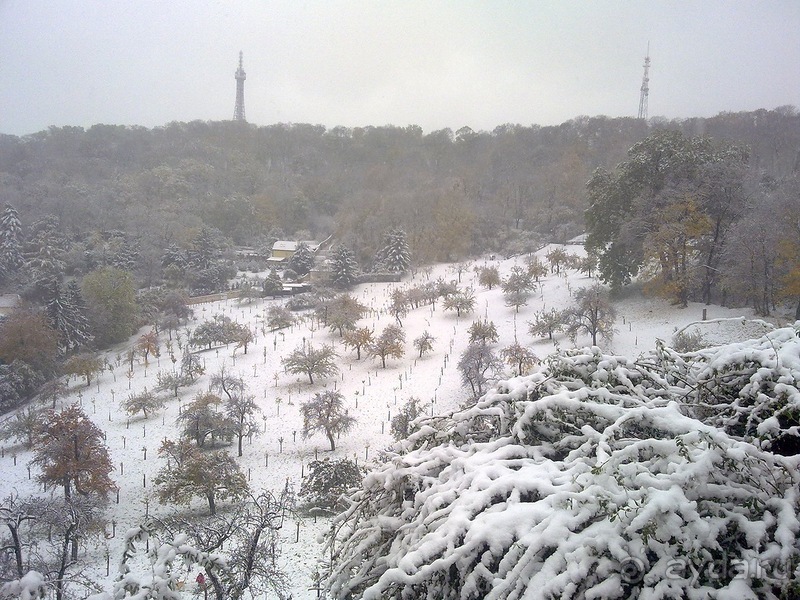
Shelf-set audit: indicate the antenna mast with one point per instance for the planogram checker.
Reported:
(645, 91)
(238, 111)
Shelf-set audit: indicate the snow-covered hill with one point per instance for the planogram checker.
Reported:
(372, 394)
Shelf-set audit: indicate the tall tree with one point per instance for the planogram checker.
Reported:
(344, 267)
(10, 242)
(71, 452)
(395, 255)
(625, 206)
(26, 336)
(110, 296)
(302, 261)
(66, 312)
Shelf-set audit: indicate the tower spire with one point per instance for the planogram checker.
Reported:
(645, 90)
(238, 111)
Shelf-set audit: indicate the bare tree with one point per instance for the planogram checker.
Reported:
(388, 344)
(462, 301)
(424, 343)
(591, 314)
(144, 402)
(325, 412)
(546, 323)
(520, 358)
(311, 361)
(248, 537)
(239, 407)
(476, 363)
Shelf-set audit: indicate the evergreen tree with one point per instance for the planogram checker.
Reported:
(395, 255)
(45, 252)
(66, 313)
(343, 267)
(302, 260)
(272, 285)
(10, 244)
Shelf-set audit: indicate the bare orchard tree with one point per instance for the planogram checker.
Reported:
(477, 363)
(247, 536)
(325, 412)
(546, 323)
(358, 339)
(462, 301)
(424, 343)
(520, 358)
(240, 409)
(311, 361)
(592, 314)
(390, 343)
(45, 535)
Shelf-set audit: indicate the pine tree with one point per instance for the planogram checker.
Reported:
(395, 255)
(10, 244)
(302, 260)
(343, 267)
(66, 313)
(272, 285)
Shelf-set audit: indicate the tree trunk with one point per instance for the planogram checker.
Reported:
(212, 505)
(797, 311)
(17, 549)
(240, 435)
(331, 440)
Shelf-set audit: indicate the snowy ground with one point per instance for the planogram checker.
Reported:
(372, 393)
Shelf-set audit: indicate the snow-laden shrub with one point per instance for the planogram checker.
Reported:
(594, 478)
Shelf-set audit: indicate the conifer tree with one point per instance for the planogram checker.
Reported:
(10, 241)
(395, 255)
(66, 313)
(343, 267)
(302, 260)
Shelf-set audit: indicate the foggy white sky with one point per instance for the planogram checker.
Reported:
(427, 62)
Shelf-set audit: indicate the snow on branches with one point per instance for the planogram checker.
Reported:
(597, 477)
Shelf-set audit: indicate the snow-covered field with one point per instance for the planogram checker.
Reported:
(373, 394)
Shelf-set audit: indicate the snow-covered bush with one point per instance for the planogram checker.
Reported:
(598, 477)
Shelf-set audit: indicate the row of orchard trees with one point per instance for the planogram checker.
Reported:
(698, 223)
(237, 547)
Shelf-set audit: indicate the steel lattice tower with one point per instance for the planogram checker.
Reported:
(645, 86)
(238, 111)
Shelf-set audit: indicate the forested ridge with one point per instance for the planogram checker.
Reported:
(454, 193)
(109, 229)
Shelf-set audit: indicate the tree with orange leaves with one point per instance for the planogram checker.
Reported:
(69, 449)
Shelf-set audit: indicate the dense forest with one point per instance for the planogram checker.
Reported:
(454, 193)
(108, 229)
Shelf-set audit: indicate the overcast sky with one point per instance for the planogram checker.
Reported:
(431, 63)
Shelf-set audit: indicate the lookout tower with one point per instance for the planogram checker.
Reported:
(645, 91)
(238, 111)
